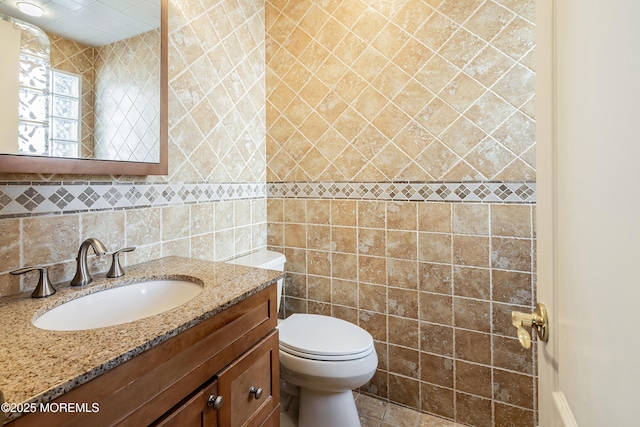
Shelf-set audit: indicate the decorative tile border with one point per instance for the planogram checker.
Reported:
(19, 199)
(474, 192)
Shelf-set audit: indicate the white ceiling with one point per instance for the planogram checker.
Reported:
(92, 22)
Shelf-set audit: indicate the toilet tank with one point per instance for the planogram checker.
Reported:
(264, 258)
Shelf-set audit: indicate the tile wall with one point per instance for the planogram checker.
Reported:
(216, 149)
(384, 119)
(127, 98)
(119, 81)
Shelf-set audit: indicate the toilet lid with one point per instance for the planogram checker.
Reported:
(323, 338)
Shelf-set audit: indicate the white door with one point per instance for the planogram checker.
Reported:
(588, 115)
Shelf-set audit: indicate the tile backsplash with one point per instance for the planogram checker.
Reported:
(211, 205)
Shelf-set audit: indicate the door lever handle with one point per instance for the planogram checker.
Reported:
(537, 320)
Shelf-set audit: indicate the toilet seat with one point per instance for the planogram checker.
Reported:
(325, 338)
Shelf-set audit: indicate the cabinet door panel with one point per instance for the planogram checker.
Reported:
(258, 368)
(194, 412)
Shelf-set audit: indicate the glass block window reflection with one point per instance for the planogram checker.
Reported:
(34, 102)
(65, 114)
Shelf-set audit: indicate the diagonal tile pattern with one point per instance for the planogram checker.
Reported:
(400, 90)
(216, 97)
(127, 99)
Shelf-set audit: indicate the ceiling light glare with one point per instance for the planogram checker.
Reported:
(30, 9)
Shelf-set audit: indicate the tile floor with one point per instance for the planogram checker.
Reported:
(377, 413)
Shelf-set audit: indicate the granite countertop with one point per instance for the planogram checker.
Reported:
(38, 365)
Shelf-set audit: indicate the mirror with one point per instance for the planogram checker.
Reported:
(104, 109)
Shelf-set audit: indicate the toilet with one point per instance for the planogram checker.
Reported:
(324, 358)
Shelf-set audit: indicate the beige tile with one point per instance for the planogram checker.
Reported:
(402, 215)
(403, 331)
(344, 266)
(62, 240)
(471, 251)
(108, 227)
(512, 287)
(399, 416)
(402, 244)
(437, 400)
(436, 308)
(318, 237)
(404, 361)
(473, 379)
(436, 339)
(434, 217)
(436, 370)
(372, 297)
(406, 392)
(318, 211)
(372, 270)
(473, 346)
(516, 39)
(435, 278)
(319, 288)
(403, 302)
(295, 235)
(10, 245)
(511, 416)
(471, 219)
(435, 247)
(343, 212)
(402, 273)
(370, 407)
(472, 282)
(371, 241)
(472, 314)
(344, 292)
(511, 221)
(511, 254)
(512, 388)
(427, 420)
(376, 325)
(509, 354)
(344, 239)
(473, 410)
(318, 262)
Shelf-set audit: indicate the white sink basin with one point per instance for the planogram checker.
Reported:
(118, 305)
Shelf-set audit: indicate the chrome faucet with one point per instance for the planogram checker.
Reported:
(82, 276)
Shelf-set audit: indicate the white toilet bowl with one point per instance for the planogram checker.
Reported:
(327, 358)
(324, 356)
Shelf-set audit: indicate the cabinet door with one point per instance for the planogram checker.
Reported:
(250, 385)
(195, 411)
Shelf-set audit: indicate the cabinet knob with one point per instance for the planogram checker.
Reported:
(257, 392)
(215, 401)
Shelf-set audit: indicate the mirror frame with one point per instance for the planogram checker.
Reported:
(13, 163)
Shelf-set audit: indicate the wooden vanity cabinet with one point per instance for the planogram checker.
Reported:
(247, 388)
(171, 384)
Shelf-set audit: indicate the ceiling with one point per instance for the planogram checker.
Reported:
(92, 22)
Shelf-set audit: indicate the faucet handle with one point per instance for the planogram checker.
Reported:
(116, 269)
(44, 287)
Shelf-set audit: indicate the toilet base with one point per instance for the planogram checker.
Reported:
(325, 408)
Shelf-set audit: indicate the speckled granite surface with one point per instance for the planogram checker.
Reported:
(38, 365)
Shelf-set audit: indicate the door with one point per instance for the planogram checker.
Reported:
(588, 211)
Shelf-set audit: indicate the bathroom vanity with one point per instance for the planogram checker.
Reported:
(212, 361)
